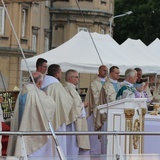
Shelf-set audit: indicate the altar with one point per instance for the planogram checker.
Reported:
(131, 115)
(151, 142)
(125, 115)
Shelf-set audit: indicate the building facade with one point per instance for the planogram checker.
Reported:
(31, 22)
(70, 16)
(41, 26)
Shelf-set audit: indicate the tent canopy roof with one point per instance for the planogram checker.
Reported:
(154, 47)
(79, 53)
(141, 56)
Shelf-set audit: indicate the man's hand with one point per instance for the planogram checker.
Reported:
(85, 104)
(145, 85)
(1, 99)
(140, 89)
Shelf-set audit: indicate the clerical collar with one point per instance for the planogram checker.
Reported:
(102, 79)
(130, 84)
(113, 81)
(71, 84)
(139, 82)
(49, 80)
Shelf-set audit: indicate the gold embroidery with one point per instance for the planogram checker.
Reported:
(136, 137)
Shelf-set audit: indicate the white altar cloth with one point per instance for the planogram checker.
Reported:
(151, 143)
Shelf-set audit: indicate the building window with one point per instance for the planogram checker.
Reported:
(46, 44)
(24, 21)
(111, 7)
(86, 0)
(58, 35)
(34, 43)
(82, 29)
(103, 1)
(102, 31)
(2, 17)
(47, 3)
(62, 0)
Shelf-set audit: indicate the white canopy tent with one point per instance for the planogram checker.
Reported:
(154, 47)
(141, 55)
(79, 53)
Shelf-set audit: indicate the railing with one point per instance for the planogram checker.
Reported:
(86, 157)
(114, 133)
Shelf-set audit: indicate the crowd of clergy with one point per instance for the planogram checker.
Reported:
(44, 100)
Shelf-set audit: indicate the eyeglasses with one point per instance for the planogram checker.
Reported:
(75, 76)
(44, 66)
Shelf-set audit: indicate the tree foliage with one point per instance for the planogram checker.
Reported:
(143, 23)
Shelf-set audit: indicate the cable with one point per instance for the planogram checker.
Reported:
(89, 32)
(59, 150)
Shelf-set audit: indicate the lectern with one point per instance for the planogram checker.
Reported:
(125, 115)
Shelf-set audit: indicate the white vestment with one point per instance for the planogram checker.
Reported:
(48, 80)
(92, 97)
(108, 94)
(110, 91)
(72, 147)
(64, 104)
(78, 118)
(156, 94)
(38, 109)
(127, 90)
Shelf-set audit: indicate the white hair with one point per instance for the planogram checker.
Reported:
(130, 73)
(37, 76)
(69, 73)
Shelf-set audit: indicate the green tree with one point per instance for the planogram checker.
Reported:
(143, 24)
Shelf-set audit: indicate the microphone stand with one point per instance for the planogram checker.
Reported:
(107, 119)
(107, 99)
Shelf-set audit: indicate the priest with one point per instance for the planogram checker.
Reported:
(128, 90)
(80, 143)
(33, 111)
(64, 102)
